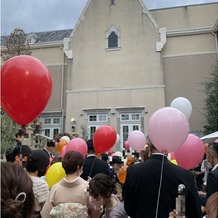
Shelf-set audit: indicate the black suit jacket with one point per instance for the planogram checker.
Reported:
(211, 185)
(93, 165)
(142, 185)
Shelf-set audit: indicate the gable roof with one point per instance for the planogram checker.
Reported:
(47, 36)
(145, 11)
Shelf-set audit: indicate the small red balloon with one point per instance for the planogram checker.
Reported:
(104, 139)
(26, 86)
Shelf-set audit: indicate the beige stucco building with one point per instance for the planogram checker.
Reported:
(121, 63)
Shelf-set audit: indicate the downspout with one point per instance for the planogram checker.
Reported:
(69, 54)
(215, 35)
(62, 92)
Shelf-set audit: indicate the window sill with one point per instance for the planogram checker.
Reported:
(113, 49)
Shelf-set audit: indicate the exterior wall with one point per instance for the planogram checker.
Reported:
(136, 55)
(132, 75)
(129, 76)
(112, 99)
(185, 81)
(189, 54)
(55, 59)
(187, 17)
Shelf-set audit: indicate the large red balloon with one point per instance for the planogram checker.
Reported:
(26, 87)
(104, 139)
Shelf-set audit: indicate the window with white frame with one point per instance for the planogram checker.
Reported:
(130, 116)
(112, 37)
(130, 120)
(51, 126)
(95, 121)
(97, 118)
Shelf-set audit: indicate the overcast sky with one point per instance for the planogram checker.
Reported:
(45, 15)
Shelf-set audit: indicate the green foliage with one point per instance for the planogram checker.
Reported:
(8, 130)
(16, 45)
(84, 132)
(211, 101)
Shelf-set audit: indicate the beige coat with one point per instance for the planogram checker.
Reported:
(65, 192)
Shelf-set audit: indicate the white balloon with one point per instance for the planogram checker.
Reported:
(182, 104)
(66, 138)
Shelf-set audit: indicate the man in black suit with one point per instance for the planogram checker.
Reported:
(151, 188)
(93, 165)
(212, 177)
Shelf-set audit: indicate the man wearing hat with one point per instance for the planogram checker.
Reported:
(93, 165)
(50, 148)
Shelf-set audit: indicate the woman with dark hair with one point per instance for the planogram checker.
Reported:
(36, 165)
(101, 188)
(17, 198)
(69, 196)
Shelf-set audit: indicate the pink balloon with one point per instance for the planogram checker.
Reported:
(110, 152)
(136, 140)
(63, 151)
(77, 144)
(191, 153)
(168, 129)
(126, 145)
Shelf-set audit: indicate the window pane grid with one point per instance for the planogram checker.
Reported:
(92, 118)
(47, 121)
(56, 120)
(135, 116)
(98, 118)
(124, 117)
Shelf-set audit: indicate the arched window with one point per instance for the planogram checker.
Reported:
(112, 2)
(112, 37)
(113, 40)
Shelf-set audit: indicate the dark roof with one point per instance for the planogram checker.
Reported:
(48, 36)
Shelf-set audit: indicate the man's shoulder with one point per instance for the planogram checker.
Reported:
(214, 172)
(136, 166)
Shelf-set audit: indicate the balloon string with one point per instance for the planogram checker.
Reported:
(158, 197)
(23, 127)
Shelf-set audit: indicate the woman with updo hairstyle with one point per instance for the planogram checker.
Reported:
(101, 189)
(17, 198)
(68, 197)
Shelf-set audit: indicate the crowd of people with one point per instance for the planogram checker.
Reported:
(104, 186)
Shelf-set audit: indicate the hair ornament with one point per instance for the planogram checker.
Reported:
(21, 195)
